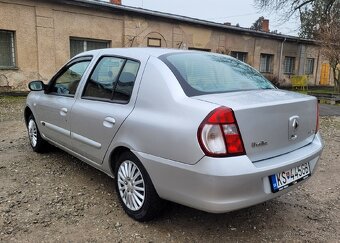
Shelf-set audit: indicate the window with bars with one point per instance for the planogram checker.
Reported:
(242, 56)
(309, 66)
(266, 63)
(289, 65)
(78, 45)
(7, 49)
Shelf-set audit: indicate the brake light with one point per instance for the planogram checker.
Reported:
(219, 135)
(317, 118)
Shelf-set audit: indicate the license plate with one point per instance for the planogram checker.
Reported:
(289, 177)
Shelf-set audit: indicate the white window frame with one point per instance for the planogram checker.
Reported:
(267, 65)
(12, 50)
(289, 65)
(242, 56)
(85, 43)
(310, 63)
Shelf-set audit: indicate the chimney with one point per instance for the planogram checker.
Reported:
(117, 2)
(265, 25)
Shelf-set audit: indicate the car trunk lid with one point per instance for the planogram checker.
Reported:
(272, 122)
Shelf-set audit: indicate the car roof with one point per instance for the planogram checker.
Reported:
(133, 51)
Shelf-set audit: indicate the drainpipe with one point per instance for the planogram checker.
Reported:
(254, 54)
(280, 61)
(317, 69)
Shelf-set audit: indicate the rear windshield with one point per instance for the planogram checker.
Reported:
(207, 73)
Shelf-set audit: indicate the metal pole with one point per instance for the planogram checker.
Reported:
(280, 61)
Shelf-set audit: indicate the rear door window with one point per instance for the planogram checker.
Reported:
(124, 85)
(112, 79)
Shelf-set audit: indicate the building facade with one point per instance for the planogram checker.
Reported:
(38, 37)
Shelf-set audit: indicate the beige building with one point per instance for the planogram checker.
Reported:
(37, 37)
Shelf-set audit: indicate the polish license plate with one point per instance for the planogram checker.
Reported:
(289, 177)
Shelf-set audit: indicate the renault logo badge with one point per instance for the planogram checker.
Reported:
(293, 126)
(295, 123)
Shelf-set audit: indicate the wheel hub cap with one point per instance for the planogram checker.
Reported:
(33, 133)
(131, 185)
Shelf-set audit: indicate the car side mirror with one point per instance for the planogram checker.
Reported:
(36, 85)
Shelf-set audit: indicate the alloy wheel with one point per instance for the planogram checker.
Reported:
(131, 185)
(33, 133)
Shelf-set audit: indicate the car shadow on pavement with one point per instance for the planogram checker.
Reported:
(176, 216)
(64, 194)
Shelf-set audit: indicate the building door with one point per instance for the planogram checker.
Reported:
(324, 78)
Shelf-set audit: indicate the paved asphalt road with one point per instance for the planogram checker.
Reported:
(329, 110)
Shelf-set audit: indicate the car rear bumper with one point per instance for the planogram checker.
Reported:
(220, 185)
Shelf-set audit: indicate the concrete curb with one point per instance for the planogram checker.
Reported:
(15, 93)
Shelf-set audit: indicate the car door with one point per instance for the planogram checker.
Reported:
(103, 106)
(53, 108)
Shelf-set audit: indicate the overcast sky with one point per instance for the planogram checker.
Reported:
(239, 11)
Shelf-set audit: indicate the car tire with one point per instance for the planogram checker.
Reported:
(38, 144)
(135, 190)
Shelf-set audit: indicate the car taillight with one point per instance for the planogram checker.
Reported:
(219, 134)
(317, 118)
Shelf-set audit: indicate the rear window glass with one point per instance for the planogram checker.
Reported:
(203, 73)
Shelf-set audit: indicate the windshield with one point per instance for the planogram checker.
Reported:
(207, 73)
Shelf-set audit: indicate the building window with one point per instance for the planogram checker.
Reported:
(266, 63)
(154, 42)
(80, 45)
(309, 66)
(242, 56)
(289, 65)
(7, 49)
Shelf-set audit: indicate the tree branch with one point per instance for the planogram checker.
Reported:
(303, 4)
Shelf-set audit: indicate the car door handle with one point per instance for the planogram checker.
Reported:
(109, 122)
(63, 111)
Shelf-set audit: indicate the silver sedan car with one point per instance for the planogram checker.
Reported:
(200, 129)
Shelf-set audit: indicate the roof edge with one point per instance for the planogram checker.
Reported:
(142, 11)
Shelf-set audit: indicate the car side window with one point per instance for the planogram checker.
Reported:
(103, 78)
(68, 81)
(112, 79)
(126, 81)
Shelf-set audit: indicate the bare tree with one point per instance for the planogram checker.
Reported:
(288, 7)
(320, 20)
(312, 13)
(329, 37)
